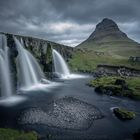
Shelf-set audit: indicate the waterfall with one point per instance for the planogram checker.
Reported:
(5, 79)
(61, 68)
(60, 65)
(30, 72)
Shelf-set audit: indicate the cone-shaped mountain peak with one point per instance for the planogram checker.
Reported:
(107, 27)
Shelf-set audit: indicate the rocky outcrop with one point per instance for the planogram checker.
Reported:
(109, 70)
(134, 59)
(12, 53)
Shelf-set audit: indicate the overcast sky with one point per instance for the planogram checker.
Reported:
(67, 21)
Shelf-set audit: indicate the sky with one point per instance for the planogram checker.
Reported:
(67, 22)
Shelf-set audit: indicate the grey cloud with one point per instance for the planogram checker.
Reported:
(45, 18)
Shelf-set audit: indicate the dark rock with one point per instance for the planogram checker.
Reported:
(13, 53)
(99, 89)
(120, 82)
(109, 90)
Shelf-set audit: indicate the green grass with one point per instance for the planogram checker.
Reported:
(87, 59)
(108, 41)
(115, 50)
(10, 134)
(103, 81)
(133, 84)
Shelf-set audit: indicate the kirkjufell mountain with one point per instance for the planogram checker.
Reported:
(107, 33)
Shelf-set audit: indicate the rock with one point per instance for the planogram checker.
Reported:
(109, 90)
(120, 82)
(99, 89)
(66, 113)
(123, 114)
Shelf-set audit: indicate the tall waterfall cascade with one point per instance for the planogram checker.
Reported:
(29, 72)
(5, 78)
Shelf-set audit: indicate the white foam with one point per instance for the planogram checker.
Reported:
(12, 100)
(74, 76)
(40, 86)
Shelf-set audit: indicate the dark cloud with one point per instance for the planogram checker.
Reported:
(67, 21)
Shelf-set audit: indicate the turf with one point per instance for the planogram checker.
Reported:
(11, 134)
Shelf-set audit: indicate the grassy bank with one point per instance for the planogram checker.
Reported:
(10, 134)
(108, 83)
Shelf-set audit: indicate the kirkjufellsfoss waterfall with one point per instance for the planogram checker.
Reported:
(30, 73)
(5, 79)
(61, 68)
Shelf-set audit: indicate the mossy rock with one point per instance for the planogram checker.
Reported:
(109, 90)
(110, 85)
(124, 114)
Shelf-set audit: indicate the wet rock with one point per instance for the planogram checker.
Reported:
(120, 82)
(68, 112)
(123, 114)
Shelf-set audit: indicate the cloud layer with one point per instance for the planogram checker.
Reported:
(67, 21)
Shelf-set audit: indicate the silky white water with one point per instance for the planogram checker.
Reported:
(5, 78)
(61, 68)
(60, 65)
(29, 72)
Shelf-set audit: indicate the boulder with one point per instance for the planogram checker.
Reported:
(123, 114)
(120, 82)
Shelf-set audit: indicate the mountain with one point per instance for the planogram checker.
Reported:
(106, 45)
(107, 28)
(107, 33)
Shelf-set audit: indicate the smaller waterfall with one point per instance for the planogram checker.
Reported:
(61, 68)
(5, 79)
(30, 73)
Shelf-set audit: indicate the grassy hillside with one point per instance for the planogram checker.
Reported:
(88, 59)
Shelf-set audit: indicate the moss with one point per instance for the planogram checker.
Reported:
(124, 114)
(11, 134)
(104, 81)
(131, 89)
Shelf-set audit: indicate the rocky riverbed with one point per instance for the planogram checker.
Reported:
(67, 112)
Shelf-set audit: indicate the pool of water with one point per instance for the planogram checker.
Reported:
(108, 128)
